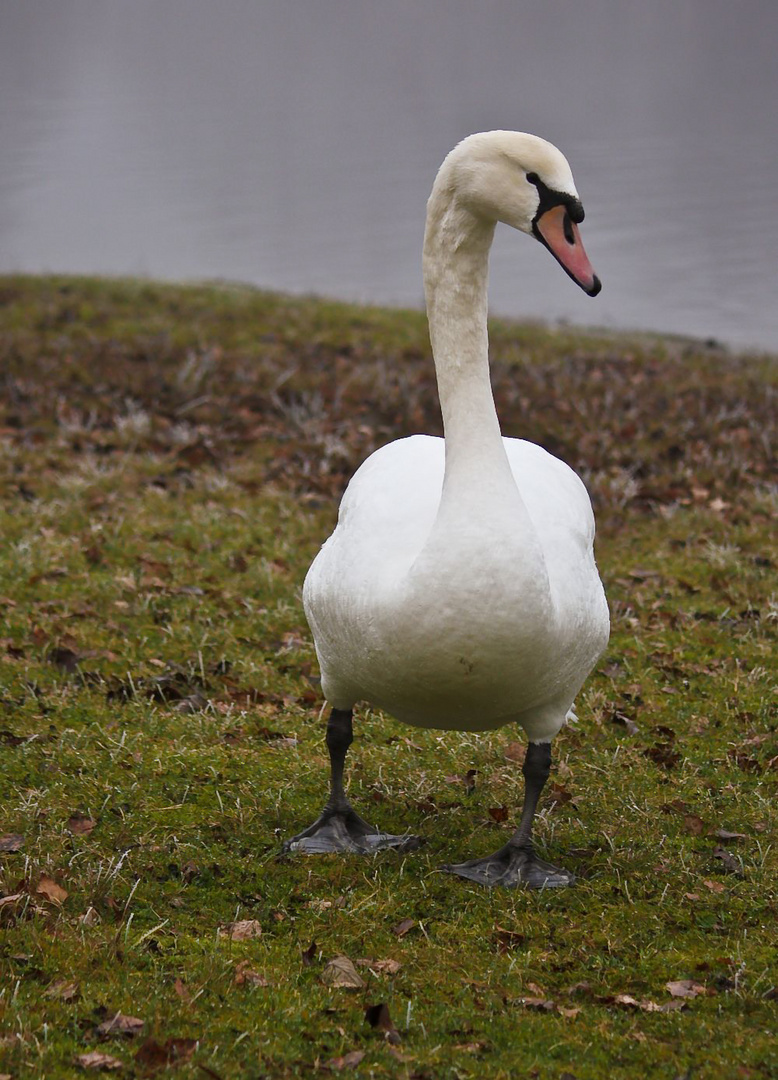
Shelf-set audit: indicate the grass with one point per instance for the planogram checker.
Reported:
(172, 458)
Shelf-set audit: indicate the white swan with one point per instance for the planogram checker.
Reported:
(459, 588)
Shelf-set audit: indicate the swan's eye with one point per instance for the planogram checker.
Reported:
(532, 177)
(567, 228)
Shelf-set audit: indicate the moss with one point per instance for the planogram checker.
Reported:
(172, 458)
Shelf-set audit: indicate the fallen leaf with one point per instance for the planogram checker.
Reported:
(309, 954)
(628, 1002)
(685, 988)
(724, 834)
(560, 795)
(64, 658)
(730, 863)
(243, 930)
(80, 824)
(63, 990)
(471, 1047)
(348, 1061)
(181, 991)
(693, 824)
(341, 972)
(714, 886)
(11, 843)
(382, 967)
(570, 1012)
(10, 901)
(398, 1055)
(498, 813)
(403, 927)
(151, 1056)
(50, 890)
(96, 1059)
(537, 1003)
(515, 751)
(662, 753)
(508, 939)
(120, 1025)
(379, 1019)
(626, 721)
(90, 917)
(245, 974)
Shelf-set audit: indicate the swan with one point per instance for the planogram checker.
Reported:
(459, 589)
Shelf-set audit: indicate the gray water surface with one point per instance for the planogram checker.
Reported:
(292, 144)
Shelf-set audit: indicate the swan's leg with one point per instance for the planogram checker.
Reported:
(339, 827)
(516, 862)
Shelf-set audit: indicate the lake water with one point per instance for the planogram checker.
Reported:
(292, 144)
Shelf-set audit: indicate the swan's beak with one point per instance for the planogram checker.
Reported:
(557, 230)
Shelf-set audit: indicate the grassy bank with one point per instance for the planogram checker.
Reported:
(171, 459)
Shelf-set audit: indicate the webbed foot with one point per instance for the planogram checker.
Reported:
(512, 866)
(344, 831)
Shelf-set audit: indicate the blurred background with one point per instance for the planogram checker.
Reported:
(293, 143)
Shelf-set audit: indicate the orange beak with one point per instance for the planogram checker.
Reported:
(557, 230)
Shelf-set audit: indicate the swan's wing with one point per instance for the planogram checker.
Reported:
(555, 496)
(385, 516)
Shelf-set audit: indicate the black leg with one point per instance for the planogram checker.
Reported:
(516, 863)
(339, 827)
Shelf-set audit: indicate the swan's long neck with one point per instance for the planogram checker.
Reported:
(456, 270)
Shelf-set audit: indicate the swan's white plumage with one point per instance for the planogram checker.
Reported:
(457, 650)
(459, 588)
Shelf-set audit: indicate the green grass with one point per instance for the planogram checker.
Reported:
(171, 459)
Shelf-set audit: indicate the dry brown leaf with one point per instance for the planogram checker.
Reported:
(725, 834)
(309, 954)
(730, 862)
(63, 989)
(243, 930)
(182, 991)
(151, 1056)
(571, 1012)
(515, 751)
(398, 1055)
(90, 917)
(471, 1047)
(693, 824)
(347, 1061)
(538, 1003)
(498, 813)
(403, 927)
(628, 1002)
(714, 886)
(381, 967)
(10, 901)
(50, 890)
(80, 824)
(246, 974)
(685, 988)
(120, 1025)
(507, 939)
(378, 1017)
(96, 1059)
(11, 843)
(340, 972)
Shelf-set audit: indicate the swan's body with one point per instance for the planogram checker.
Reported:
(459, 589)
(452, 624)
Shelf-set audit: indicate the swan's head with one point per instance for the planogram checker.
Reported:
(526, 183)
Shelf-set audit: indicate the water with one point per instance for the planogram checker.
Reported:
(292, 143)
